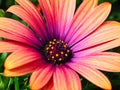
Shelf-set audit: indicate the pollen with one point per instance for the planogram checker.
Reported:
(52, 47)
(60, 59)
(52, 57)
(50, 52)
(62, 52)
(57, 52)
(66, 54)
(57, 55)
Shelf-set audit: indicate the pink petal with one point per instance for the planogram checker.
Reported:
(14, 37)
(95, 19)
(21, 58)
(66, 79)
(22, 13)
(80, 16)
(91, 74)
(107, 61)
(66, 9)
(32, 10)
(108, 31)
(41, 77)
(58, 14)
(48, 13)
(10, 46)
(19, 30)
(49, 85)
(98, 48)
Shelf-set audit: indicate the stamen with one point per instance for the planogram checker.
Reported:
(57, 52)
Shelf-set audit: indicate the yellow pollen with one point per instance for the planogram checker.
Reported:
(50, 42)
(57, 52)
(50, 52)
(68, 50)
(62, 52)
(57, 41)
(57, 55)
(60, 59)
(52, 47)
(54, 39)
(62, 41)
(65, 46)
(47, 48)
(53, 57)
(53, 42)
(66, 54)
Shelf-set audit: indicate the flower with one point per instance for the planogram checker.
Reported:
(60, 43)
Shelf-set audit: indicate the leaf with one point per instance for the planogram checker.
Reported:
(2, 13)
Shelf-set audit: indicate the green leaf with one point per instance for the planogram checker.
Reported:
(2, 58)
(2, 13)
(3, 82)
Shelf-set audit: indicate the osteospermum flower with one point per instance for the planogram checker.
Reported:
(61, 43)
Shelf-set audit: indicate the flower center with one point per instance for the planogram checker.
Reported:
(57, 52)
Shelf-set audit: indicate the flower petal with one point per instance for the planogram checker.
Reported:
(32, 10)
(58, 14)
(22, 62)
(99, 48)
(22, 57)
(48, 14)
(10, 46)
(95, 19)
(22, 70)
(13, 27)
(108, 31)
(107, 61)
(49, 85)
(65, 15)
(22, 13)
(64, 76)
(11, 36)
(41, 77)
(91, 74)
(80, 16)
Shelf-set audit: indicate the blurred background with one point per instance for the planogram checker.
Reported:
(22, 83)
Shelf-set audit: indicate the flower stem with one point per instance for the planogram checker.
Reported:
(16, 83)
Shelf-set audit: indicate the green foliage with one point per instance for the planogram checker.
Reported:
(2, 13)
(111, 1)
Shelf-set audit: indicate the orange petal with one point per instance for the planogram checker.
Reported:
(23, 70)
(48, 13)
(14, 27)
(91, 74)
(32, 10)
(81, 14)
(58, 14)
(10, 46)
(99, 48)
(66, 9)
(108, 31)
(38, 7)
(107, 61)
(49, 85)
(13, 37)
(66, 79)
(23, 14)
(41, 77)
(21, 58)
(95, 19)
